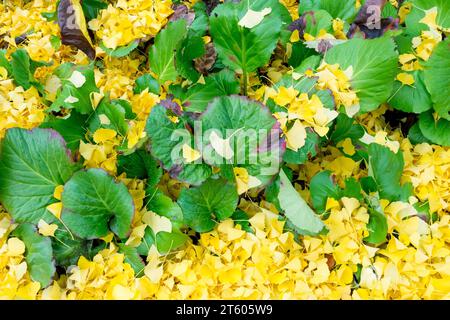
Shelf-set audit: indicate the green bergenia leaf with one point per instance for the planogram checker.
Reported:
(308, 150)
(374, 64)
(203, 206)
(437, 78)
(32, 164)
(240, 48)
(91, 8)
(67, 249)
(346, 127)
(296, 209)
(167, 138)
(73, 128)
(141, 165)
(38, 254)
(169, 241)
(418, 11)
(94, 202)
(247, 126)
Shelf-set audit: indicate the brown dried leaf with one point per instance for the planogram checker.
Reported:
(73, 27)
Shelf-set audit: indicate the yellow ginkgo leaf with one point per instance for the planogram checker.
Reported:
(15, 247)
(190, 154)
(405, 79)
(47, 230)
(295, 36)
(253, 18)
(347, 146)
(244, 181)
(430, 18)
(55, 209)
(156, 222)
(296, 136)
(221, 146)
(58, 192)
(285, 96)
(102, 135)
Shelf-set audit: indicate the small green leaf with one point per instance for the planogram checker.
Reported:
(161, 204)
(120, 51)
(114, 113)
(93, 203)
(169, 241)
(321, 188)
(55, 41)
(20, 67)
(68, 250)
(296, 209)
(346, 128)
(197, 98)
(386, 167)
(146, 82)
(436, 131)
(190, 49)
(204, 206)
(38, 254)
(241, 218)
(411, 98)
(133, 259)
(308, 150)
(416, 136)
(141, 165)
(162, 54)
(91, 8)
(377, 226)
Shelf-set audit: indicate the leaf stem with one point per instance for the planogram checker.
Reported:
(245, 75)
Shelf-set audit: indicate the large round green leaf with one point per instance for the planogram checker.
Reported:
(240, 48)
(437, 78)
(32, 164)
(374, 64)
(94, 202)
(247, 126)
(167, 138)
